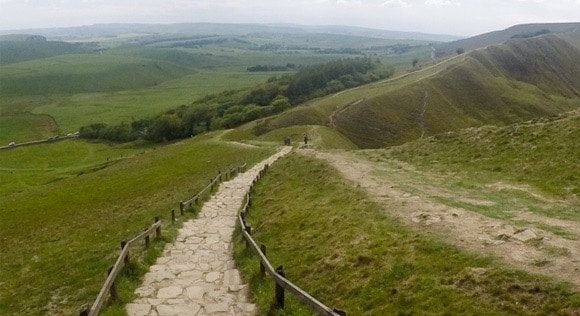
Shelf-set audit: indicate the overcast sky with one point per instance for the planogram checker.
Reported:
(455, 17)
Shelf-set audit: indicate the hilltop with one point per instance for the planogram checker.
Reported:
(498, 37)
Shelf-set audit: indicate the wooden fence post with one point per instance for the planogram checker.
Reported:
(84, 310)
(147, 239)
(262, 267)
(249, 231)
(181, 207)
(339, 312)
(279, 289)
(123, 244)
(172, 216)
(158, 229)
(113, 289)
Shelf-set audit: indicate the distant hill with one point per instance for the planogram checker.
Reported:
(22, 47)
(22, 38)
(519, 80)
(229, 29)
(498, 37)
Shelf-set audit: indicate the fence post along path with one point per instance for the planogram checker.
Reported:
(196, 274)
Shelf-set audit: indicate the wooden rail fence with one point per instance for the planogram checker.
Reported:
(277, 275)
(109, 288)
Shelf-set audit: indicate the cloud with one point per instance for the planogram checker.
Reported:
(397, 3)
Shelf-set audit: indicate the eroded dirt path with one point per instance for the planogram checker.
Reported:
(529, 248)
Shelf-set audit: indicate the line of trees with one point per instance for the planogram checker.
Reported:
(230, 109)
(259, 68)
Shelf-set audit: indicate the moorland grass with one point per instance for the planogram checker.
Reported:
(58, 237)
(341, 248)
(542, 153)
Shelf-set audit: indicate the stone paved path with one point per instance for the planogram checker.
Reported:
(196, 275)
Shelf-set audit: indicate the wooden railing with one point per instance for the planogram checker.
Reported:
(109, 288)
(211, 186)
(277, 274)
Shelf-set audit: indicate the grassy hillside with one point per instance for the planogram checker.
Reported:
(498, 37)
(349, 253)
(542, 153)
(69, 74)
(22, 47)
(517, 81)
(65, 207)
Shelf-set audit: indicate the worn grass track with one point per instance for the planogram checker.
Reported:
(346, 251)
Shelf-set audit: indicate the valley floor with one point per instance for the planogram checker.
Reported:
(523, 239)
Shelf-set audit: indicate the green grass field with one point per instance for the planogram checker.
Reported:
(348, 253)
(66, 206)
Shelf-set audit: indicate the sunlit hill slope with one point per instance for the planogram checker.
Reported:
(519, 80)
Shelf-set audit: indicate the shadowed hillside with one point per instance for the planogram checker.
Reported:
(520, 80)
(21, 47)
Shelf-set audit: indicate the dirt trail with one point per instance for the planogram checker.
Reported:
(532, 249)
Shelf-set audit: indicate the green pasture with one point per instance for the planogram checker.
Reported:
(65, 207)
(74, 111)
(347, 252)
(25, 126)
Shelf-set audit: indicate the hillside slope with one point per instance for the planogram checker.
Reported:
(22, 47)
(498, 37)
(516, 81)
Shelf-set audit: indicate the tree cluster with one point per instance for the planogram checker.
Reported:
(230, 109)
(262, 68)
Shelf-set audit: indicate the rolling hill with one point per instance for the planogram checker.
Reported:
(519, 80)
(231, 29)
(498, 37)
(22, 47)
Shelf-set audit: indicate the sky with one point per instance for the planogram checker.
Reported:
(453, 17)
